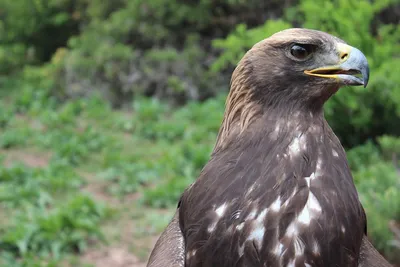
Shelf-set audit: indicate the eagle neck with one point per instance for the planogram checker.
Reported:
(273, 125)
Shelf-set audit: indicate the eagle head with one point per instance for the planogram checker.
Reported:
(293, 70)
(317, 62)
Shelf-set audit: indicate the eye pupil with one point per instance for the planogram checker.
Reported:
(300, 51)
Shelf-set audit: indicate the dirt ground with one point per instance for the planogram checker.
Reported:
(119, 252)
(112, 256)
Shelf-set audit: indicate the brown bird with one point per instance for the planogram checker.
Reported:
(277, 190)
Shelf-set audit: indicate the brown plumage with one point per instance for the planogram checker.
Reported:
(277, 190)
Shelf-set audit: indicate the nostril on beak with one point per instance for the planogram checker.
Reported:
(344, 56)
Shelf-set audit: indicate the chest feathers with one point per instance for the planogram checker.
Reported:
(279, 195)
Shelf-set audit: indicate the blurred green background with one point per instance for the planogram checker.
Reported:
(109, 109)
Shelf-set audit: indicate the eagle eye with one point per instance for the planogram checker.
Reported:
(301, 51)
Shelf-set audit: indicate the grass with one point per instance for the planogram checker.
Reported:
(79, 180)
(78, 175)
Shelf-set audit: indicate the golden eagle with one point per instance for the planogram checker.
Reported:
(277, 190)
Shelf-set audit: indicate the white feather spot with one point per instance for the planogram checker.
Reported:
(343, 229)
(313, 129)
(334, 153)
(318, 169)
(212, 226)
(276, 205)
(241, 250)
(307, 265)
(190, 254)
(310, 210)
(278, 249)
(291, 263)
(257, 235)
(292, 230)
(221, 210)
(308, 181)
(315, 247)
(298, 247)
(252, 215)
(310, 178)
(333, 192)
(313, 203)
(297, 145)
(277, 128)
(252, 187)
(304, 216)
(275, 133)
(261, 216)
(240, 226)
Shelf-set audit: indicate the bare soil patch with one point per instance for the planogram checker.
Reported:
(112, 256)
(33, 159)
(129, 242)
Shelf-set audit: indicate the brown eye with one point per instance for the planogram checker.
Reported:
(301, 51)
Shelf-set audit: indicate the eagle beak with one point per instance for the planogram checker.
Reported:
(351, 62)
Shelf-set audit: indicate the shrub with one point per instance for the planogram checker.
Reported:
(45, 26)
(135, 47)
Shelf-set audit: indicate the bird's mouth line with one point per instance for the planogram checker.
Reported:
(350, 76)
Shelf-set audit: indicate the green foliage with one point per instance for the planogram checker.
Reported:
(28, 40)
(75, 146)
(5, 117)
(33, 98)
(20, 184)
(13, 137)
(44, 214)
(40, 231)
(47, 213)
(119, 72)
(390, 147)
(8, 259)
(192, 130)
(127, 48)
(379, 189)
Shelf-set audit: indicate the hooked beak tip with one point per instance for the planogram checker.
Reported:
(365, 75)
(359, 62)
(352, 61)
